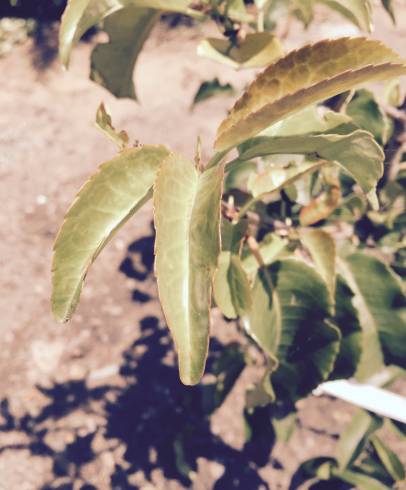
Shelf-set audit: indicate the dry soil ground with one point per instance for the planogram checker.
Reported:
(97, 403)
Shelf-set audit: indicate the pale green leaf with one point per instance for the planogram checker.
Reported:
(389, 459)
(304, 77)
(381, 302)
(322, 249)
(271, 248)
(112, 63)
(255, 51)
(356, 153)
(187, 222)
(81, 15)
(105, 124)
(288, 320)
(352, 441)
(102, 206)
(359, 12)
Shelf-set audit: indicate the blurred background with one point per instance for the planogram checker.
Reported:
(97, 403)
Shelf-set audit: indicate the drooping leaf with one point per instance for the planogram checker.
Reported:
(187, 221)
(356, 153)
(288, 320)
(352, 441)
(381, 302)
(322, 249)
(105, 124)
(304, 77)
(255, 51)
(112, 63)
(102, 206)
(347, 320)
(81, 15)
(388, 459)
(212, 88)
(359, 12)
(367, 114)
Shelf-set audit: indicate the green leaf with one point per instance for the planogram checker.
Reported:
(304, 77)
(288, 320)
(381, 302)
(321, 207)
(81, 15)
(352, 441)
(275, 177)
(367, 114)
(212, 88)
(356, 153)
(255, 51)
(322, 249)
(359, 12)
(112, 63)
(388, 6)
(105, 124)
(187, 222)
(347, 320)
(272, 247)
(232, 291)
(389, 459)
(102, 206)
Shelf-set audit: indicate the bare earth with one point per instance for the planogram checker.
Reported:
(97, 403)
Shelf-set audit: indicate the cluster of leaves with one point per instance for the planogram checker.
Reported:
(294, 226)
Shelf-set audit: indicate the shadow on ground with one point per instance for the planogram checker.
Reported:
(157, 421)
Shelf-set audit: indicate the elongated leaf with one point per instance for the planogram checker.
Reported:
(288, 320)
(355, 436)
(382, 302)
(81, 15)
(389, 459)
(102, 206)
(356, 153)
(105, 124)
(303, 77)
(187, 221)
(347, 320)
(112, 63)
(255, 51)
(359, 12)
(322, 248)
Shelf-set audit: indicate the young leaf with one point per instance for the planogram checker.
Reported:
(355, 436)
(212, 88)
(187, 222)
(389, 459)
(304, 77)
(322, 248)
(102, 206)
(112, 63)
(255, 51)
(359, 12)
(382, 302)
(356, 153)
(288, 320)
(81, 15)
(105, 124)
